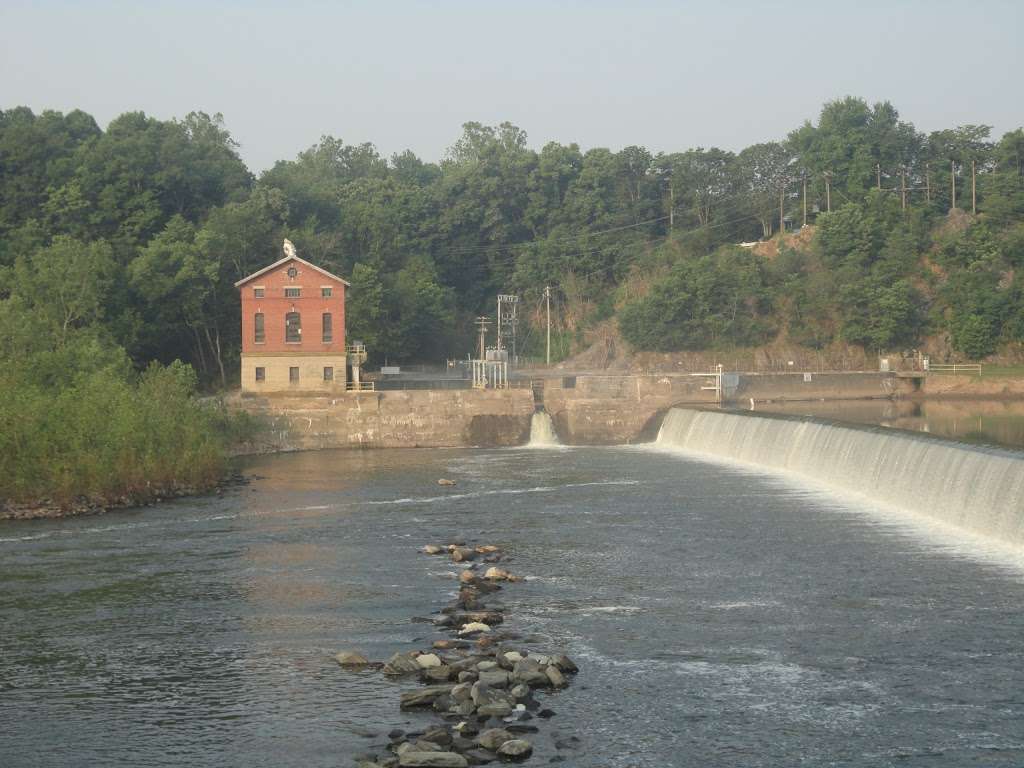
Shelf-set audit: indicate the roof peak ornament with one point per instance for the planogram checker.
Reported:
(289, 249)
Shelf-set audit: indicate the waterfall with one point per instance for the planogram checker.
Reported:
(542, 431)
(977, 489)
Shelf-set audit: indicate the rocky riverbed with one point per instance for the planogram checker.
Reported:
(482, 683)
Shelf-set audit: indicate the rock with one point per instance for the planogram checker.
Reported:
(438, 736)
(395, 734)
(530, 673)
(479, 756)
(496, 574)
(473, 627)
(516, 749)
(446, 481)
(513, 656)
(423, 697)
(401, 664)
(433, 549)
(449, 645)
(496, 678)
(463, 554)
(487, 549)
(546, 713)
(467, 577)
(351, 659)
(432, 760)
(489, 617)
(564, 663)
(428, 660)
(467, 676)
(493, 738)
(555, 677)
(441, 674)
(520, 691)
(497, 709)
(462, 692)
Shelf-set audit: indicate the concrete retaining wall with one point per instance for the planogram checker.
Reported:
(406, 419)
(590, 409)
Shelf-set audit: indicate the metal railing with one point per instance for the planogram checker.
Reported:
(956, 369)
(359, 386)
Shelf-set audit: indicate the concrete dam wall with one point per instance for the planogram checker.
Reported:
(592, 409)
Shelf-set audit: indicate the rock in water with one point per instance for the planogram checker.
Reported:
(424, 697)
(516, 749)
(428, 660)
(433, 549)
(432, 760)
(474, 627)
(445, 481)
(351, 659)
(493, 738)
(496, 574)
(401, 664)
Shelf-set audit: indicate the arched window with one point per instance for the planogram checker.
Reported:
(292, 327)
(328, 328)
(259, 335)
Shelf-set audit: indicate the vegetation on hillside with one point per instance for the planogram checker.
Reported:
(165, 218)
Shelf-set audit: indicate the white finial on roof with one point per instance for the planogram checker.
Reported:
(289, 249)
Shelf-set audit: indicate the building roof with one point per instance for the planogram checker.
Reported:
(285, 260)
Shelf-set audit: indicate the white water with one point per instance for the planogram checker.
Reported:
(542, 431)
(975, 489)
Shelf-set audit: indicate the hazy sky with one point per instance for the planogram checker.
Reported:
(667, 76)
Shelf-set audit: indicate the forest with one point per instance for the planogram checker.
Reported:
(119, 248)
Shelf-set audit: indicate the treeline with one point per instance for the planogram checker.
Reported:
(138, 232)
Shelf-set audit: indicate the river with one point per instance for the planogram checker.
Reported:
(721, 616)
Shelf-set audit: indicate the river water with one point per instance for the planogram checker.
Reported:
(721, 616)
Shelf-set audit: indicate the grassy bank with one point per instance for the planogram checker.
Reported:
(108, 438)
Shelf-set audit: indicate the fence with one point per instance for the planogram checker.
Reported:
(956, 369)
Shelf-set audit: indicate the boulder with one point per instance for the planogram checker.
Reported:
(439, 674)
(496, 678)
(467, 577)
(513, 656)
(423, 697)
(462, 692)
(446, 481)
(496, 574)
(463, 554)
(401, 664)
(433, 549)
(493, 738)
(487, 549)
(473, 627)
(432, 760)
(351, 659)
(564, 663)
(437, 736)
(555, 677)
(520, 691)
(449, 645)
(479, 756)
(516, 749)
(497, 709)
(530, 673)
(428, 660)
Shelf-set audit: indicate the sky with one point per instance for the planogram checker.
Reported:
(407, 75)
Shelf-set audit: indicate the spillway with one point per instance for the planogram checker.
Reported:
(542, 431)
(977, 489)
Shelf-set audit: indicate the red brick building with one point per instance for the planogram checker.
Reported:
(293, 327)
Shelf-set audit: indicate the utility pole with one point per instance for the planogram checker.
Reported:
(805, 199)
(878, 175)
(903, 187)
(952, 177)
(671, 207)
(782, 209)
(547, 300)
(928, 182)
(974, 191)
(497, 343)
(828, 191)
(481, 324)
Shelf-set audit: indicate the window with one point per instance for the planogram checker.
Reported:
(325, 291)
(293, 292)
(293, 375)
(328, 331)
(328, 373)
(292, 328)
(258, 292)
(259, 332)
(261, 373)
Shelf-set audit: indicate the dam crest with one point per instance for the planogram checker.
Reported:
(976, 489)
